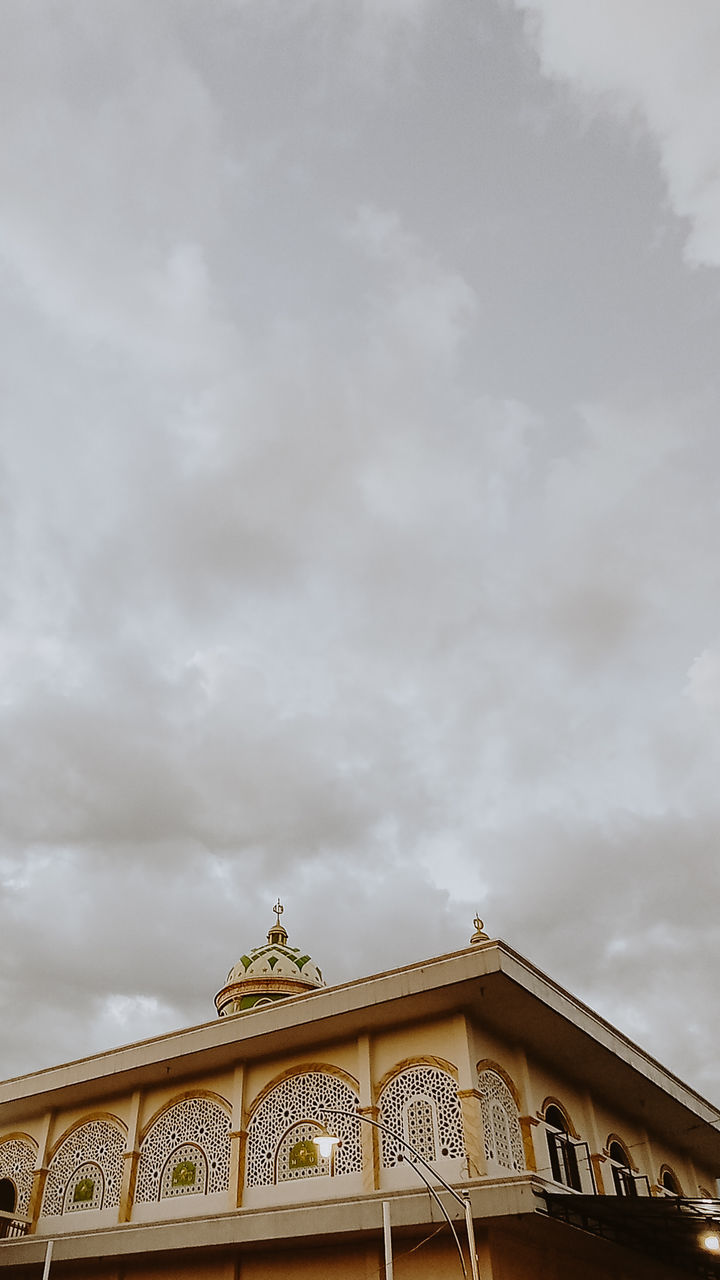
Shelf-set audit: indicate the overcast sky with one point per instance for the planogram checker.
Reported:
(359, 520)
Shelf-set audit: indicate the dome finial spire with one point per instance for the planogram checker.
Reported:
(278, 932)
(479, 935)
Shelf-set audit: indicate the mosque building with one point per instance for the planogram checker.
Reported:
(461, 1116)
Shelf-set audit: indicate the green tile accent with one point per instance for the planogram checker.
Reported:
(84, 1190)
(184, 1173)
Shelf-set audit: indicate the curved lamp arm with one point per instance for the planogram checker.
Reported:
(418, 1160)
(444, 1211)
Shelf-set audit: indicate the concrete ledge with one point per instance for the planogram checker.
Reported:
(322, 1221)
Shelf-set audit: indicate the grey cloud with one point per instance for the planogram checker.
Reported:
(358, 512)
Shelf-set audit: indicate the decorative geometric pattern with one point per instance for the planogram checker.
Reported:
(98, 1143)
(194, 1122)
(421, 1104)
(293, 1101)
(185, 1173)
(17, 1161)
(501, 1122)
(421, 1128)
(85, 1188)
(297, 1156)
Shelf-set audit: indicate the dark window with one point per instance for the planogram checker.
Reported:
(621, 1172)
(8, 1195)
(561, 1148)
(670, 1183)
(8, 1199)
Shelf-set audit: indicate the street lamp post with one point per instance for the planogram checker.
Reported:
(463, 1200)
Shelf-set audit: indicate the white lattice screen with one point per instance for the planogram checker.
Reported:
(98, 1143)
(298, 1157)
(197, 1122)
(17, 1161)
(501, 1122)
(293, 1101)
(85, 1188)
(421, 1104)
(185, 1172)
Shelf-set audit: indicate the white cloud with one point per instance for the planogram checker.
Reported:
(657, 58)
(703, 683)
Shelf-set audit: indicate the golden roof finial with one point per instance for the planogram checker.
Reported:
(277, 932)
(478, 935)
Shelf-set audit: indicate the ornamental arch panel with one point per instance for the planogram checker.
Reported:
(420, 1103)
(17, 1163)
(286, 1117)
(185, 1150)
(501, 1120)
(85, 1171)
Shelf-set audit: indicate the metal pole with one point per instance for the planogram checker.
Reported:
(48, 1257)
(471, 1237)
(388, 1240)
(416, 1157)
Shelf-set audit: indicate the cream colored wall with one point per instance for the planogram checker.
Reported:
(369, 1062)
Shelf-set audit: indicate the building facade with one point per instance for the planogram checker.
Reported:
(194, 1154)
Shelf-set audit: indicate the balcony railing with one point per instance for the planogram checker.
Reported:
(11, 1225)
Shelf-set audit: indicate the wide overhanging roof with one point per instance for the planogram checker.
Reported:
(489, 982)
(670, 1229)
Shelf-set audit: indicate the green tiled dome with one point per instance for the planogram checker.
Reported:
(268, 973)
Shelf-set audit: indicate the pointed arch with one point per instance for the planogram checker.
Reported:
(290, 1073)
(502, 1134)
(185, 1096)
(89, 1152)
(18, 1154)
(489, 1064)
(420, 1103)
(185, 1149)
(288, 1113)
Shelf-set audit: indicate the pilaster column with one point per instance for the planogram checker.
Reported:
(238, 1139)
(369, 1135)
(40, 1171)
(595, 1145)
(131, 1156)
(469, 1098)
(653, 1166)
(527, 1124)
(474, 1132)
(36, 1197)
(370, 1145)
(597, 1162)
(238, 1155)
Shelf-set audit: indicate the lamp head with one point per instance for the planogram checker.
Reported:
(325, 1142)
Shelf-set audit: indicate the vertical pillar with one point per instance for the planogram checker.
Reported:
(695, 1181)
(527, 1124)
(238, 1139)
(40, 1171)
(469, 1097)
(652, 1165)
(369, 1136)
(597, 1160)
(387, 1240)
(596, 1157)
(474, 1132)
(131, 1156)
